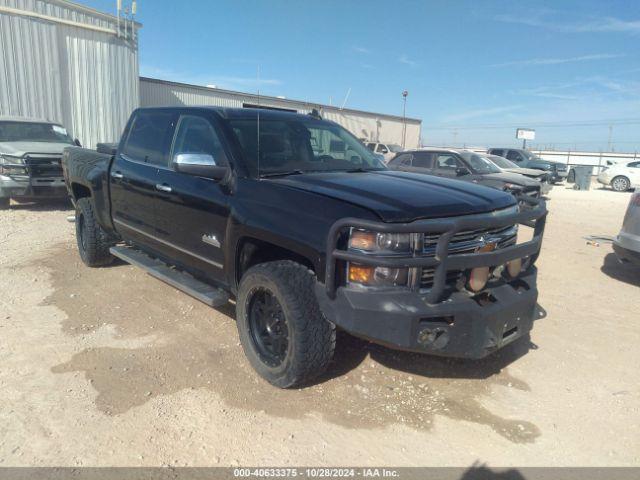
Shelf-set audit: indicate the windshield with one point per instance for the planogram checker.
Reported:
(395, 148)
(481, 164)
(33, 132)
(300, 146)
(502, 162)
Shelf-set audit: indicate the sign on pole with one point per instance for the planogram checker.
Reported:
(525, 134)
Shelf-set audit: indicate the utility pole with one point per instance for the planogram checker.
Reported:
(609, 147)
(404, 117)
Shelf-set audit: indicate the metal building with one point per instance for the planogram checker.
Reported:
(365, 125)
(68, 63)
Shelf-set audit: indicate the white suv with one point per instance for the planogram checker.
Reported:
(622, 176)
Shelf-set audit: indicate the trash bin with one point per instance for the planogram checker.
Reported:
(582, 174)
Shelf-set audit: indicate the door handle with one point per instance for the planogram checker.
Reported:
(117, 175)
(163, 187)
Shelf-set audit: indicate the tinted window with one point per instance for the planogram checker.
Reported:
(371, 146)
(514, 155)
(497, 152)
(148, 135)
(634, 165)
(403, 159)
(382, 149)
(196, 135)
(423, 160)
(447, 161)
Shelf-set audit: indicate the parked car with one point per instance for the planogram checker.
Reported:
(526, 159)
(621, 176)
(464, 165)
(30, 152)
(387, 150)
(627, 244)
(538, 175)
(219, 206)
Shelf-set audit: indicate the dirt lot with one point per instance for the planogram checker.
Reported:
(112, 367)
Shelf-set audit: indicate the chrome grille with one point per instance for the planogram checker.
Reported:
(464, 242)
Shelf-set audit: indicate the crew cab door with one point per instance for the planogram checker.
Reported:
(192, 211)
(134, 172)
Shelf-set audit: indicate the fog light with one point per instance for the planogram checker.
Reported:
(360, 273)
(514, 267)
(478, 278)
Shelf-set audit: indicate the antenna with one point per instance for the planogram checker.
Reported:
(346, 98)
(118, 9)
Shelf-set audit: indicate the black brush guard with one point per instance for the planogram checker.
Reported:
(534, 217)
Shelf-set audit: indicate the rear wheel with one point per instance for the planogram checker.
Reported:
(283, 333)
(4, 203)
(93, 241)
(620, 184)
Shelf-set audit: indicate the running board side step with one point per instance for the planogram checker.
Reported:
(214, 297)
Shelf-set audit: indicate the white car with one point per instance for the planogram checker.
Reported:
(621, 176)
(627, 243)
(387, 150)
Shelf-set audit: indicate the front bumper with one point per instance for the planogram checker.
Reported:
(30, 187)
(627, 247)
(459, 327)
(440, 320)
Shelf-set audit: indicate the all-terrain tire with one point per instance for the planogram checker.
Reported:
(311, 338)
(93, 241)
(620, 183)
(4, 203)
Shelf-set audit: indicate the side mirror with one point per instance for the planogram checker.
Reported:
(384, 150)
(199, 165)
(460, 171)
(77, 143)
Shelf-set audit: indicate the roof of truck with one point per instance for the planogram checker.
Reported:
(246, 113)
(8, 118)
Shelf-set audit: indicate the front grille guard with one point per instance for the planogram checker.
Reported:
(534, 217)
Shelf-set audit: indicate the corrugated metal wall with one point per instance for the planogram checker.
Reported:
(85, 79)
(372, 126)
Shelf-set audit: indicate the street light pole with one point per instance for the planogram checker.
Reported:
(404, 117)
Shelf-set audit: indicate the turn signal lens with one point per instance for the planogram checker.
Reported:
(360, 273)
(478, 278)
(514, 267)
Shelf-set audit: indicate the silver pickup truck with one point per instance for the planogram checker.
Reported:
(30, 152)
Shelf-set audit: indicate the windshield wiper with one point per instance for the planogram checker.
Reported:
(282, 174)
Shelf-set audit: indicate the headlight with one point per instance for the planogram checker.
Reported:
(380, 244)
(372, 242)
(512, 187)
(9, 165)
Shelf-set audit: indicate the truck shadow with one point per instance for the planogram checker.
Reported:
(623, 272)
(135, 339)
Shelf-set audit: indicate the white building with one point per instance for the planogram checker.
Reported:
(70, 64)
(365, 125)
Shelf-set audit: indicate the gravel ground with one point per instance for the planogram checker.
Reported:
(112, 367)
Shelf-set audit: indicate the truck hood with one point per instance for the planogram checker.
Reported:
(514, 178)
(18, 149)
(401, 196)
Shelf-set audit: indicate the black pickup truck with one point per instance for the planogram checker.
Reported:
(302, 225)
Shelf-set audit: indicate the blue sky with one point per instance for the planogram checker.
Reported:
(474, 70)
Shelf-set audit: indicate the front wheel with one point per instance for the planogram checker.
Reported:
(282, 330)
(620, 184)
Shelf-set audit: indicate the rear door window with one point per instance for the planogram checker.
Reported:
(149, 137)
(423, 160)
(403, 159)
(497, 152)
